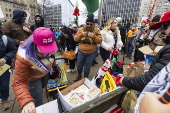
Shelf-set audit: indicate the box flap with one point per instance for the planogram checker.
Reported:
(65, 104)
(157, 49)
(50, 107)
(88, 83)
(146, 50)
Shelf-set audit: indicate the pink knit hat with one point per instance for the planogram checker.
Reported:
(44, 39)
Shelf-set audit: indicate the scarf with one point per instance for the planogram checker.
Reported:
(38, 64)
(159, 84)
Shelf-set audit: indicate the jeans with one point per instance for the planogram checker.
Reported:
(36, 89)
(129, 50)
(4, 85)
(85, 60)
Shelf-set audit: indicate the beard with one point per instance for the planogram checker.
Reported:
(167, 40)
(89, 29)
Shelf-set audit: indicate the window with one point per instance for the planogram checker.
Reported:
(166, 3)
(159, 4)
(6, 15)
(9, 10)
(10, 15)
(6, 9)
(164, 10)
(157, 11)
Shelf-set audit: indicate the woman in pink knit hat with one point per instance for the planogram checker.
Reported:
(33, 65)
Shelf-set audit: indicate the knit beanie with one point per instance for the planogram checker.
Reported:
(90, 18)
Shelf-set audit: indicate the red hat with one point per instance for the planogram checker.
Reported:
(44, 39)
(165, 17)
(146, 21)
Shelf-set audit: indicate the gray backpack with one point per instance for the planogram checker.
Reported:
(5, 39)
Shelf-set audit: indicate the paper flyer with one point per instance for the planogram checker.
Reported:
(4, 68)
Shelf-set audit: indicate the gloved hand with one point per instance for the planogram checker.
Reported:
(29, 108)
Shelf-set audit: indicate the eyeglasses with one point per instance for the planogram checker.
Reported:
(165, 25)
(89, 24)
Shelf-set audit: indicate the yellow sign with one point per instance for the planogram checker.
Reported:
(4, 68)
(63, 76)
(108, 83)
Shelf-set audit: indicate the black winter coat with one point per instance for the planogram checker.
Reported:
(7, 52)
(162, 58)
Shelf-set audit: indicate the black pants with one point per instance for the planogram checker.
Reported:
(72, 63)
(104, 54)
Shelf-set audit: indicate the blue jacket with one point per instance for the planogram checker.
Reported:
(7, 52)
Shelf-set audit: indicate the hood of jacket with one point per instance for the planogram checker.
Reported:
(41, 24)
(17, 15)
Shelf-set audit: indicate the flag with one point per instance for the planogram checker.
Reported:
(1, 13)
(91, 5)
(143, 35)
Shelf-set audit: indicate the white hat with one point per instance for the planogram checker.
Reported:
(119, 19)
(74, 25)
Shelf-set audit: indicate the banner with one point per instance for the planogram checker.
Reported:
(1, 13)
(91, 5)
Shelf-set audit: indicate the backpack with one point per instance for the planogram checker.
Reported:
(4, 38)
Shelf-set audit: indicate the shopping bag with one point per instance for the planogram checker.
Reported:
(133, 70)
(129, 101)
(69, 55)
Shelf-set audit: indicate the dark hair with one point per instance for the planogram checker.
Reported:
(156, 18)
(31, 48)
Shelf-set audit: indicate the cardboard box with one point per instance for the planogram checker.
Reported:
(148, 51)
(50, 107)
(67, 106)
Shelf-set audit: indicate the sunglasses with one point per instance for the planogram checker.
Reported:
(89, 24)
(165, 25)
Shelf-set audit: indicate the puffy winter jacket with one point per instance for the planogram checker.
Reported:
(7, 52)
(162, 58)
(24, 72)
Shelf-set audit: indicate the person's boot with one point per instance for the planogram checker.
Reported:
(77, 78)
(5, 104)
(95, 62)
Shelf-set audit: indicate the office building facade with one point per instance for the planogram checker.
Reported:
(128, 10)
(60, 14)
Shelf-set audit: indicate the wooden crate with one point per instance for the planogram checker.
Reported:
(102, 103)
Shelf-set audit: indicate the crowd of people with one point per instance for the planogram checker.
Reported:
(33, 52)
